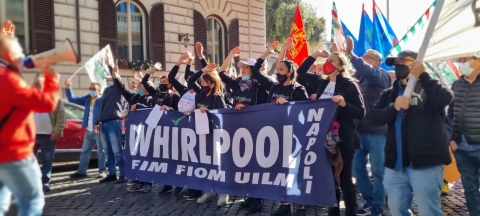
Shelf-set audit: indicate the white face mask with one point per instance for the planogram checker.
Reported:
(465, 68)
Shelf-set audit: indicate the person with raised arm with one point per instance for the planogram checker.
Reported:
(210, 97)
(20, 173)
(285, 89)
(163, 94)
(338, 85)
(247, 91)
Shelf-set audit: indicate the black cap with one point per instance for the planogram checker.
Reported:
(390, 61)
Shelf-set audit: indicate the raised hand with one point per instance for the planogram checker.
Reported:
(335, 48)
(287, 44)
(68, 83)
(157, 66)
(271, 48)
(183, 59)
(235, 52)
(8, 28)
(210, 67)
(199, 49)
(321, 53)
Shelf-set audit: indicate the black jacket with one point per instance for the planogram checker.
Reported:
(112, 105)
(464, 111)
(169, 99)
(261, 94)
(425, 138)
(347, 116)
(298, 94)
(372, 80)
(172, 77)
(217, 102)
(145, 101)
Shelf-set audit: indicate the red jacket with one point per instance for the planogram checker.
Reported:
(17, 136)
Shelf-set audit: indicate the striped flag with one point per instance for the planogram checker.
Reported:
(338, 36)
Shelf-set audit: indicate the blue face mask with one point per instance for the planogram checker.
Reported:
(157, 84)
(246, 77)
(140, 91)
(109, 84)
(93, 94)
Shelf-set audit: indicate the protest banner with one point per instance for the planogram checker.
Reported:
(268, 151)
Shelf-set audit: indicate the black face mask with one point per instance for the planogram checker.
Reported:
(205, 89)
(281, 78)
(401, 71)
(163, 87)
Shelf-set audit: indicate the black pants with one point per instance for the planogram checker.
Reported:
(346, 184)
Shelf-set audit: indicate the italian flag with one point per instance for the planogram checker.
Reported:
(338, 36)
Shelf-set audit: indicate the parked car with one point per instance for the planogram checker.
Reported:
(70, 145)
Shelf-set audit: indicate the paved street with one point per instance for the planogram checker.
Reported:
(87, 197)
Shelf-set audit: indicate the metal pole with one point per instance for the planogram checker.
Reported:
(388, 10)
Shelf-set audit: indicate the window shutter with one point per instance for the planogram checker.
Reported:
(234, 38)
(200, 31)
(42, 25)
(107, 21)
(157, 34)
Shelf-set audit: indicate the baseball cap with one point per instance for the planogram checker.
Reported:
(250, 62)
(390, 61)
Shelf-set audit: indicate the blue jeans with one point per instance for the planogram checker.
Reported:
(48, 153)
(373, 145)
(424, 183)
(89, 141)
(468, 164)
(111, 136)
(22, 179)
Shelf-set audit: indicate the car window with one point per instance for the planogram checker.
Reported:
(73, 112)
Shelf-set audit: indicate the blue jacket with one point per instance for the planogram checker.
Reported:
(373, 80)
(84, 101)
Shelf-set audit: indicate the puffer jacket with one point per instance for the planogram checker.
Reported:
(463, 111)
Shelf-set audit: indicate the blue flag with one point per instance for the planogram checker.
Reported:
(349, 33)
(267, 151)
(383, 36)
(365, 34)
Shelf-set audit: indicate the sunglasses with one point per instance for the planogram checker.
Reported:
(463, 60)
(92, 89)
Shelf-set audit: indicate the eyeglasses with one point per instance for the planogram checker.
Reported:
(402, 60)
(370, 57)
(92, 89)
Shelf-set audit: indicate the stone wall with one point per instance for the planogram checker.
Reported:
(178, 20)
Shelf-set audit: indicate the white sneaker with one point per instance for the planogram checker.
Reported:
(206, 197)
(222, 199)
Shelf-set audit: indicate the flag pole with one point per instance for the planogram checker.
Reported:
(388, 10)
(423, 49)
(79, 69)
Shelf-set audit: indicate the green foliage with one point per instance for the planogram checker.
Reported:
(279, 17)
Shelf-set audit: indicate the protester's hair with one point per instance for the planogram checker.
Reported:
(97, 85)
(376, 54)
(291, 66)
(212, 77)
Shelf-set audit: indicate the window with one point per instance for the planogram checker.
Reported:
(72, 111)
(215, 40)
(17, 12)
(131, 35)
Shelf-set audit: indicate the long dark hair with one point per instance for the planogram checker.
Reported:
(292, 66)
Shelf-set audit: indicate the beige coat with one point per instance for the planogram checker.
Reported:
(58, 118)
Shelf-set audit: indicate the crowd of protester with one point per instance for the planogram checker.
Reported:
(405, 139)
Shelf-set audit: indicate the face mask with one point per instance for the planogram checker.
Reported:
(109, 84)
(281, 78)
(205, 89)
(157, 84)
(163, 87)
(328, 68)
(246, 77)
(140, 91)
(465, 68)
(93, 94)
(401, 71)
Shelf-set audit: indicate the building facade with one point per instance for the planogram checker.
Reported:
(136, 30)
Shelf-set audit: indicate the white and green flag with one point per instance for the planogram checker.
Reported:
(97, 67)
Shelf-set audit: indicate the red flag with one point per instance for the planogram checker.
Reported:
(299, 50)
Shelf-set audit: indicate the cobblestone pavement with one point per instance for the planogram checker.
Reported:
(88, 197)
